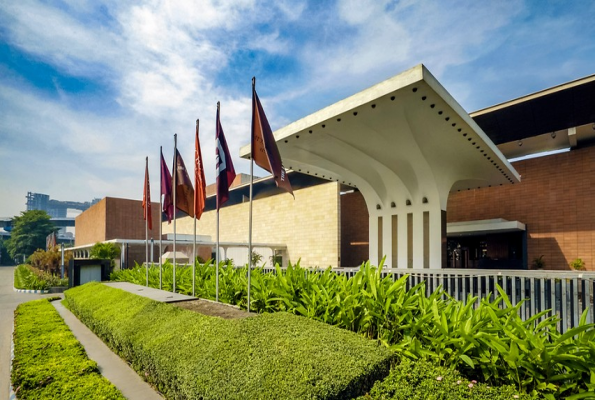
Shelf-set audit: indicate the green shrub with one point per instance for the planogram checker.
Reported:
(577, 265)
(191, 356)
(28, 277)
(491, 340)
(49, 363)
(422, 380)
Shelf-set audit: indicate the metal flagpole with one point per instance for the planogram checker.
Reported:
(161, 215)
(147, 224)
(194, 254)
(217, 245)
(251, 184)
(175, 185)
(217, 258)
(250, 227)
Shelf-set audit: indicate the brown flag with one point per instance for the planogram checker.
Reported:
(264, 147)
(184, 190)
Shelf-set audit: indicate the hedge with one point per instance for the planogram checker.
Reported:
(422, 380)
(187, 355)
(49, 362)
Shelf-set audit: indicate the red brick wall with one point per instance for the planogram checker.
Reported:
(354, 228)
(124, 219)
(555, 199)
(89, 226)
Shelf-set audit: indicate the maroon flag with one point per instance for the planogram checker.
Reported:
(200, 192)
(184, 190)
(147, 198)
(225, 171)
(264, 147)
(166, 192)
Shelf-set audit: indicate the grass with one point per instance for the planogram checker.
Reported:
(49, 362)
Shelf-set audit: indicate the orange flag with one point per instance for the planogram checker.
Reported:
(147, 198)
(200, 191)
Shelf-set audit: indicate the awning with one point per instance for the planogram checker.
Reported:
(483, 227)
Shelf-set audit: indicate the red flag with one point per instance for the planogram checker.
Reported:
(225, 171)
(184, 190)
(200, 192)
(147, 198)
(168, 203)
(264, 147)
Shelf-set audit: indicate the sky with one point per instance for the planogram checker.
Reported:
(89, 88)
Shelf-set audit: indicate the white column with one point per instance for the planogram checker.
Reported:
(373, 239)
(402, 244)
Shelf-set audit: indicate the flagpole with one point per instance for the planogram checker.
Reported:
(175, 175)
(217, 246)
(161, 215)
(147, 223)
(250, 215)
(194, 254)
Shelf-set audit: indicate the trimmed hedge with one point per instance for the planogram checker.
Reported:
(187, 355)
(422, 380)
(49, 363)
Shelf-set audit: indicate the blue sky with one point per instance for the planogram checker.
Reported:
(88, 88)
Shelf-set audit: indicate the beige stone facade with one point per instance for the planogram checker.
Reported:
(308, 225)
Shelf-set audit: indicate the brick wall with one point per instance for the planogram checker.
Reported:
(555, 199)
(354, 230)
(89, 226)
(124, 219)
(308, 225)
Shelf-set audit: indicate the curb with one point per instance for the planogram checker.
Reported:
(41, 291)
(11, 395)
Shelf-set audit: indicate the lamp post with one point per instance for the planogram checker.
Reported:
(62, 264)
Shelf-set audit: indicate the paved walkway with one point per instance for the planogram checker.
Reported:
(153, 294)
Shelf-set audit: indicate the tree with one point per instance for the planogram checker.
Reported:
(105, 251)
(29, 231)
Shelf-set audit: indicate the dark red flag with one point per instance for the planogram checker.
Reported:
(264, 147)
(166, 192)
(184, 190)
(200, 191)
(147, 198)
(225, 171)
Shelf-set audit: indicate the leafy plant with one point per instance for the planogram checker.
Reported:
(105, 251)
(538, 262)
(28, 277)
(577, 265)
(490, 341)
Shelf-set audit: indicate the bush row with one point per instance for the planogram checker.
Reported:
(49, 362)
(490, 342)
(191, 356)
(422, 380)
(28, 277)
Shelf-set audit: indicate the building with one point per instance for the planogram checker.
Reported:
(400, 172)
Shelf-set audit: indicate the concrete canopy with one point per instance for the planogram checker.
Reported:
(405, 143)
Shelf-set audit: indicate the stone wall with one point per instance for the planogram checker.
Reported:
(308, 225)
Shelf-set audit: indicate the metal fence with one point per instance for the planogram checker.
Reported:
(566, 293)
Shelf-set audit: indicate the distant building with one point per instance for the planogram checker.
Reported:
(55, 208)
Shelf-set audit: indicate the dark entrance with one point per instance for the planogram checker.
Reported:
(493, 251)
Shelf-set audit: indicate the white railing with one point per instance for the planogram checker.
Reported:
(566, 293)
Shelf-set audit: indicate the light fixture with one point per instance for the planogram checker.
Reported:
(553, 134)
(520, 143)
